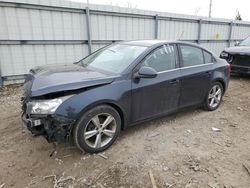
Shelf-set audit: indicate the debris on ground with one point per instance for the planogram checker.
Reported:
(190, 183)
(49, 176)
(165, 169)
(233, 124)
(65, 156)
(247, 167)
(214, 185)
(102, 155)
(152, 179)
(61, 181)
(216, 129)
(60, 161)
(168, 185)
(154, 134)
(219, 144)
(193, 164)
(189, 131)
(239, 108)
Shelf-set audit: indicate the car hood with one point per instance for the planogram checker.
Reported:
(241, 50)
(65, 77)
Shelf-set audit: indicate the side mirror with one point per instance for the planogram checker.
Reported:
(237, 43)
(146, 72)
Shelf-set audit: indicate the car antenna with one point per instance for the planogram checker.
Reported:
(179, 38)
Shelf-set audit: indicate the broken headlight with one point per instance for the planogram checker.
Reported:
(46, 106)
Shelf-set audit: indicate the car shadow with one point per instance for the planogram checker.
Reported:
(157, 122)
(167, 120)
(240, 76)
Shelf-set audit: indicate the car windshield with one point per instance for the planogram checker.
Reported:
(245, 42)
(114, 59)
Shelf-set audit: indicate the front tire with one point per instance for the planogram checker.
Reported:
(97, 129)
(214, 97)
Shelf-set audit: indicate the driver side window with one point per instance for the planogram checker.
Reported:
(161, 59)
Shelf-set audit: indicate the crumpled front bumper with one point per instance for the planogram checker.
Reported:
(53, 127)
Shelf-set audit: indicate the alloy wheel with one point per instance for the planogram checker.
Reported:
(100, 130)
(214, 96)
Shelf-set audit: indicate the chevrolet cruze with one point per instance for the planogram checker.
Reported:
(118, 86)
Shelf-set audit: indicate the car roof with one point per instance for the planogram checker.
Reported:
(149, 43)
(155, 43)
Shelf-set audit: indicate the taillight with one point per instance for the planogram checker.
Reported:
(229, 66)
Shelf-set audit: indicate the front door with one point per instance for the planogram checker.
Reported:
(152, 97)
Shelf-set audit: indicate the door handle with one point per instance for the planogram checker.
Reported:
(175, 81)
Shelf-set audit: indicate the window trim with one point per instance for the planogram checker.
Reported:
(200, 65)
(176, 54)
(212, 57)
(181, 68)
(181, 58)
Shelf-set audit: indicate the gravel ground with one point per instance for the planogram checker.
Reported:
(180, 150)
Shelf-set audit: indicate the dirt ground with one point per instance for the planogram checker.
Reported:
(180, 150)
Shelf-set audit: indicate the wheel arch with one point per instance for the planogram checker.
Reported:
(222, 82)
(113, 104)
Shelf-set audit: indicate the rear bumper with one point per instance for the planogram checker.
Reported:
(240, 69)
(52, 127)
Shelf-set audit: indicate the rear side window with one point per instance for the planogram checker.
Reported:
(161, 59)
(191, 56)
(208, 57)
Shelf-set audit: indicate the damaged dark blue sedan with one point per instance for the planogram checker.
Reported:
(118, 86)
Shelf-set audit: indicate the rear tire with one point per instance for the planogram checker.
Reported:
(97, 129)
(214, 97)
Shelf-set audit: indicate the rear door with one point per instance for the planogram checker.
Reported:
(160, 95)
(195, 75)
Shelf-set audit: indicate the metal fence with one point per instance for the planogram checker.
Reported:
(34, 32)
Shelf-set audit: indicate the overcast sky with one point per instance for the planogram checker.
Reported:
(220, 8)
